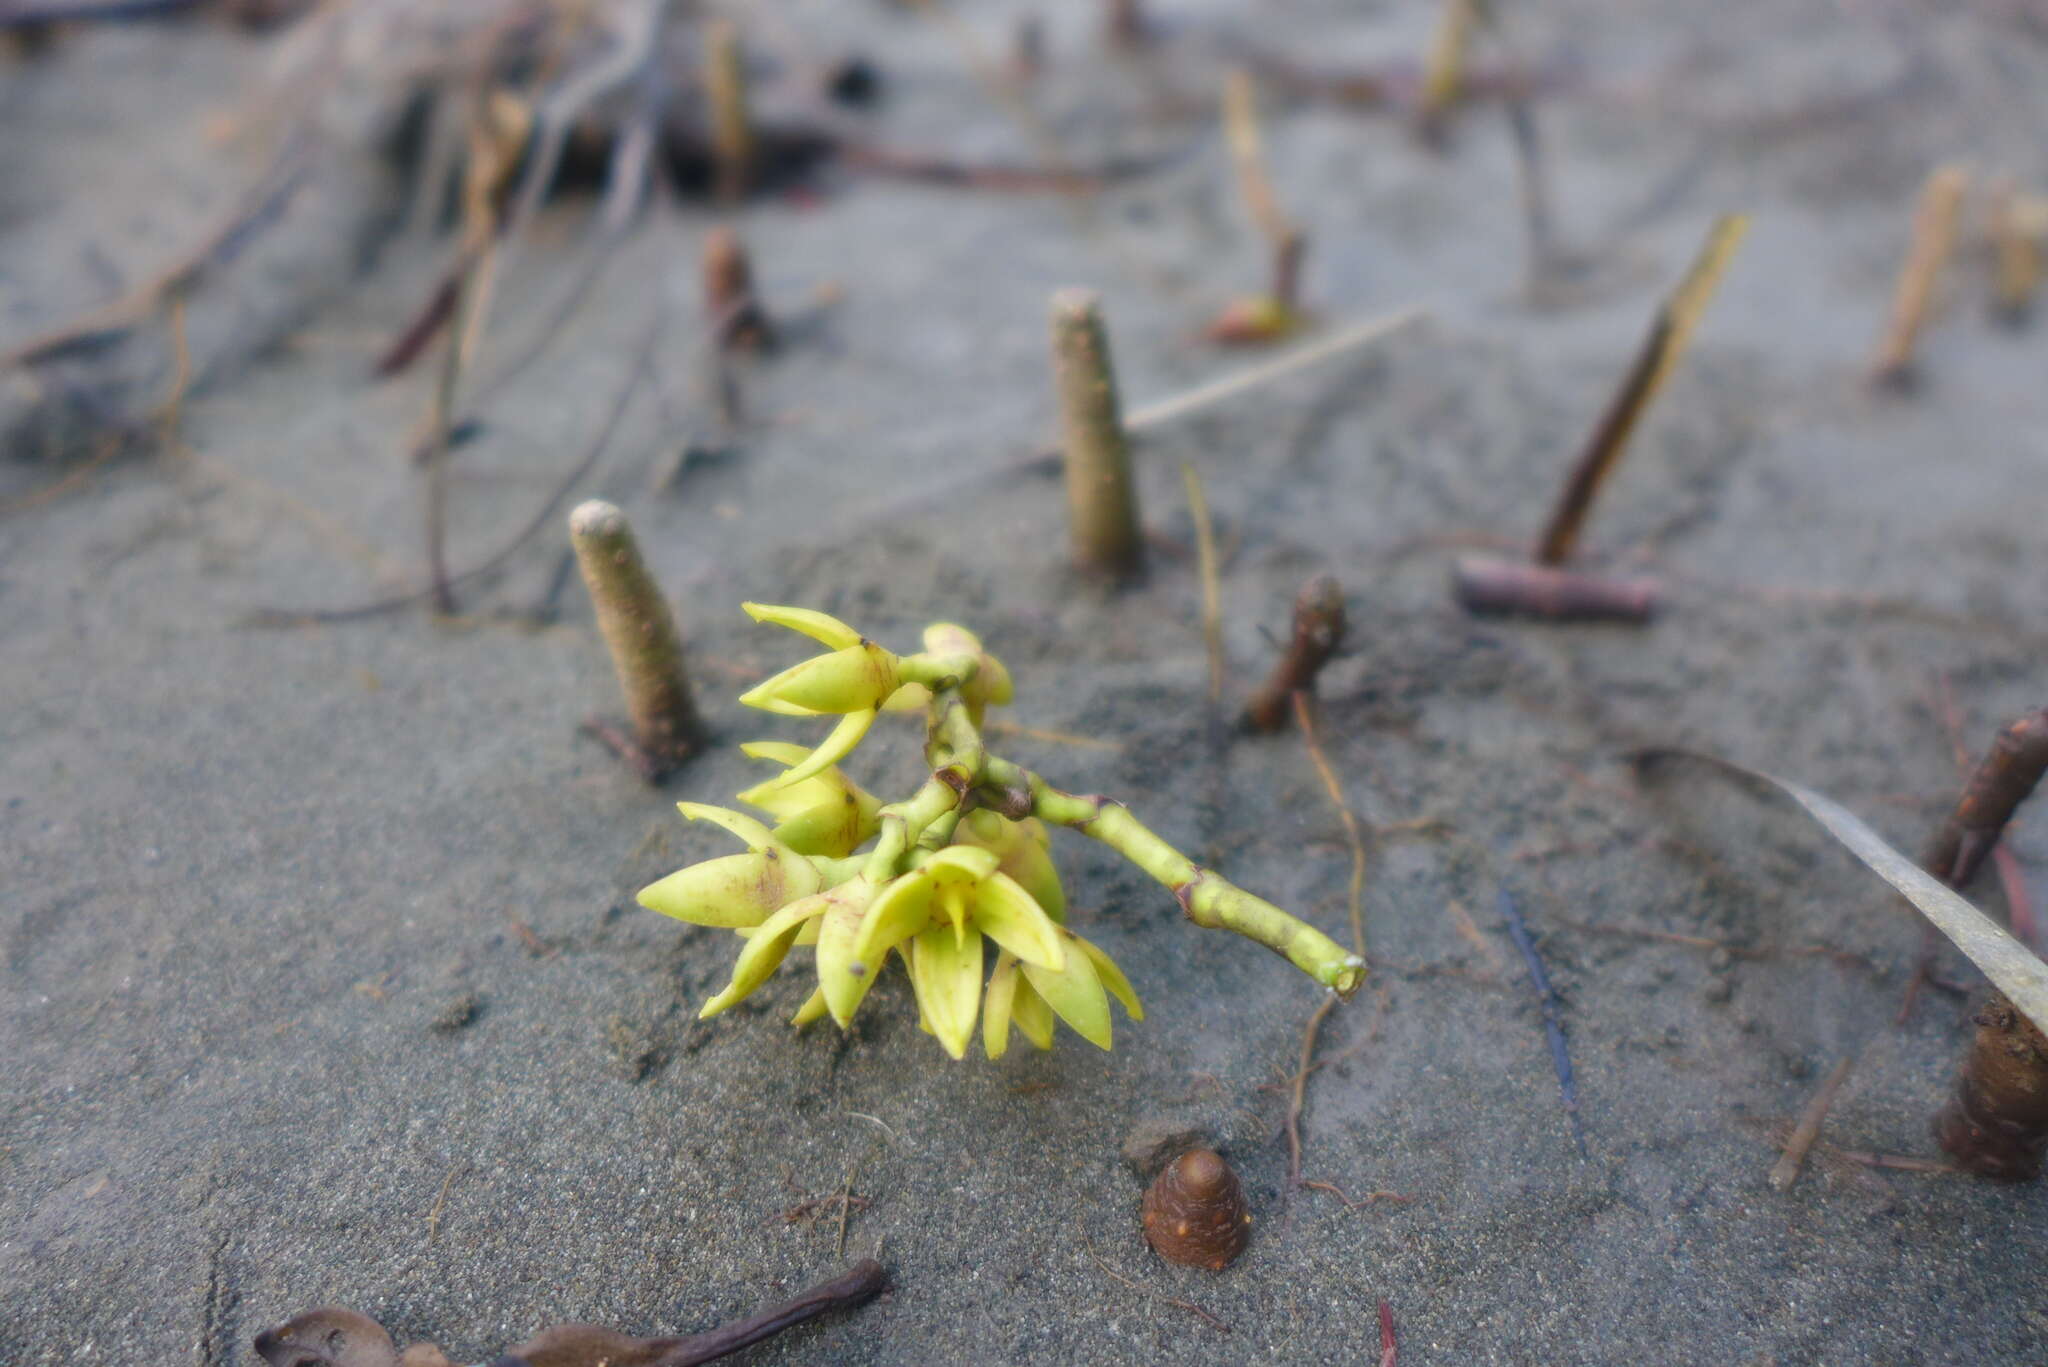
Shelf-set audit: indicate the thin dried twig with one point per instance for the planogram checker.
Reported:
(440, 1206)
(1443, 75)
(2012, 880)
(1005, 727)
(1298, 1089)
(1843, 957)
(2016, 252)
(1212, 593)
(272, 193)
(276, 617)
(441, 424)
(1247, 151)
(1934, 231)
(1214, 1323)
(1353, 836)
(1786, 1170)
(1317, 632)
(1659, 355)
(1364, 1200)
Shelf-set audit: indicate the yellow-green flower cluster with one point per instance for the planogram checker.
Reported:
(942, 881)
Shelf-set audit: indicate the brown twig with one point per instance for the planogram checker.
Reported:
(1658, 356)
(1934, 231)
(2016, 255)
(2003, 779)
(1443, 72)
(1248, 153)
(441, 423)
(1786, 1170)
(1489, 585)
(1005, 727)
(1547, 588)
(272, 193)
(440, 1205)
(729, 295)
(1124, 25)
(181, 369)
(275, 617)
(1353, 836)
(1212, 593)
(732, 128)
(426, 325)
(1364, 1200)
(335, 1335)
(1843, 957)
(1298, 1089)
(1992, 792)
(1780, 1132)
(1318, 632)
(1532, 181)
(2019, 903)
(1197, 1311)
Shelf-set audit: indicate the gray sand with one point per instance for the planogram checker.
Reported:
(254, 877)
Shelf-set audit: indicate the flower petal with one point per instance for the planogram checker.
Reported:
(825, 630)
(995, 1013)
(764, 953)
(950, 638)
(947, 979)
(782, 800)
(826, 814)
(1031, 1015)
(779, 751)
(833, 748)
(813, 1007)
(1075, 994)
(1022, 846)
(1007, 914)
(766, 695)
(910, 904)
(908, 698)
(735, 890)
(995, 680)
(1112, 978)
(837, 979)
(739, 823)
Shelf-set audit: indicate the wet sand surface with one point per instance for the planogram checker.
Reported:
(321, 977)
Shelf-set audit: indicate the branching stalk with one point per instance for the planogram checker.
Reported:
(1209, 899)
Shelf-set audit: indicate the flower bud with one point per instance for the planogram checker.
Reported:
(827, 814)
(856, 679)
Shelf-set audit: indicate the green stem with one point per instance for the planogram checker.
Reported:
(1209, 899)
(904, 822)
(953, 746)
(937, 671)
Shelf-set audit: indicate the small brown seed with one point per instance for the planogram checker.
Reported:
(1195, 1213)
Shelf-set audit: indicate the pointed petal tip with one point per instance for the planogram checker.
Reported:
(820, 627)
